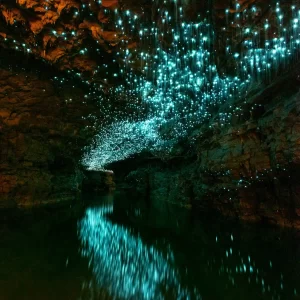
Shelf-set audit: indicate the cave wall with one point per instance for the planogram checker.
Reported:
(42, 130)
(249, 169)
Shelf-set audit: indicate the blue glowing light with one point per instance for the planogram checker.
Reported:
(125, 265)
(180, 84)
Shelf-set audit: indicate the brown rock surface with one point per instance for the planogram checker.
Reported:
(41, 136)
(68, 33)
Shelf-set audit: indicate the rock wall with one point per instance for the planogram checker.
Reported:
(41, 134)
(248, 169)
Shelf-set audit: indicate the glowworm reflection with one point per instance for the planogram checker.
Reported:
(123, 264)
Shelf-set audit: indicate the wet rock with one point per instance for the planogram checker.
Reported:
(40, 141)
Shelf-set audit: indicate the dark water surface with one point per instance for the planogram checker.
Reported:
(120, 247)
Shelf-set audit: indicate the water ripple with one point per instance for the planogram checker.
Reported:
(123, 264)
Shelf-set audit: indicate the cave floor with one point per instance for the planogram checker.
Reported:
(117, 247)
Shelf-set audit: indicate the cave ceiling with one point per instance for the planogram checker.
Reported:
(160, 70)
(81, 38)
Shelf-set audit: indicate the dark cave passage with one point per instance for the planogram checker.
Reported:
(149, 149)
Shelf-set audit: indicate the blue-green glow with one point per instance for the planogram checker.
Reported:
(179, 83)
(125, 265)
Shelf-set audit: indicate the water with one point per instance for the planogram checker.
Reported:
(121, 247)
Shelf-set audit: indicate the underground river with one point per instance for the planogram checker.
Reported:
(116, 247)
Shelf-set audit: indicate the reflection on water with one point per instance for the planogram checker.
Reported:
(240, 268)
(214, 267)
(122, 263)
(116, 248)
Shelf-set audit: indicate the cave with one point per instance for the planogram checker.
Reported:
(149, 149)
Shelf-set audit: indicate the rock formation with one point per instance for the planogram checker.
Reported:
(42, 133)
(248, 168)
